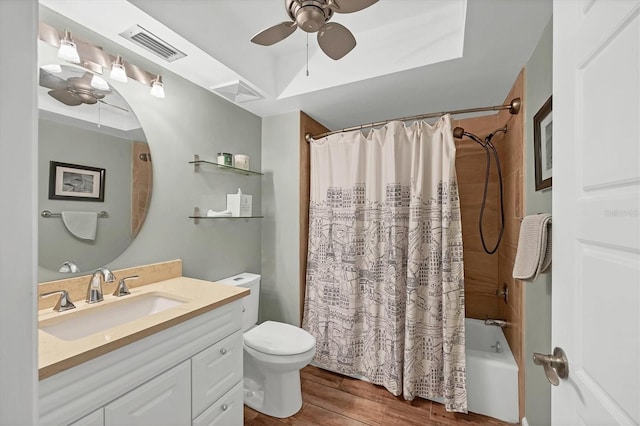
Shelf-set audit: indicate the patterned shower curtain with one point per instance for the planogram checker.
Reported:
(385, 288)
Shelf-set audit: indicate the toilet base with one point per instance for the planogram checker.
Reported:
(280, 396)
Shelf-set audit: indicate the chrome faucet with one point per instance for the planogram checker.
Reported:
(69, 267)
(121, 288)
(94, 291)
(64, 303)
(497, 322)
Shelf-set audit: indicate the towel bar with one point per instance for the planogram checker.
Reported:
(47, 213)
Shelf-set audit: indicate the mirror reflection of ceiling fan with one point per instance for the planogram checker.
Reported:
(74, 91)
(312, 16)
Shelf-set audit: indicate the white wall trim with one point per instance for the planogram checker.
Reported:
(18, 226)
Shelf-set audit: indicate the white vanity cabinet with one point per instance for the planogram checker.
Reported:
(189, 373)
(225, 411)
(94, 419)
(162, 401)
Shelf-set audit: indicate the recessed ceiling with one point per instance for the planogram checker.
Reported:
(412, 56)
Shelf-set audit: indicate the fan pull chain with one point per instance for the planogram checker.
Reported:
(307, 54)
(99, 118)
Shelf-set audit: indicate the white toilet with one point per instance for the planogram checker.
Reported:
(274, 353)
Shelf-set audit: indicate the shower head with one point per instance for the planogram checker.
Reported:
(459, 133)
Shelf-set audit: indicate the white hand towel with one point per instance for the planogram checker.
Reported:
(534, 247)
(81, 224)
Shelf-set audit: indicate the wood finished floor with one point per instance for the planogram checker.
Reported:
(329, 399)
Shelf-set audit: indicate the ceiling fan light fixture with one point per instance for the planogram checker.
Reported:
(52, 68)
(310, 18)
(157, 87)
(99, 83)
(68, 50)
(118, 72)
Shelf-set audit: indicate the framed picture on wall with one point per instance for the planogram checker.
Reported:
(75, 182)
(542, 145)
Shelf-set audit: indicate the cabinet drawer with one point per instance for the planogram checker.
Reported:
(215, 370)
(228, 410)
(163, 400)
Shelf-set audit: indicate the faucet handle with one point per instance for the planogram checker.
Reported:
(64, 302)
(121, 288)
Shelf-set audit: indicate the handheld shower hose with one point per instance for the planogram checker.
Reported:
(489, 148)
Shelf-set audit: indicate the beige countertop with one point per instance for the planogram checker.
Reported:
(198, 297)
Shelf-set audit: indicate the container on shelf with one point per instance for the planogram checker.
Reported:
(225, 159)
(241, 161)
(239, 204)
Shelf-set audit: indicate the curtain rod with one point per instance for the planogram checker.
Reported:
(513, 107)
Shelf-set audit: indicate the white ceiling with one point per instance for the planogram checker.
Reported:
(412, 57)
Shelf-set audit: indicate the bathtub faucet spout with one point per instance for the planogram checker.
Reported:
(497, 322)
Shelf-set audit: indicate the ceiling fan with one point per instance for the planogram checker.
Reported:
(312, 16)
(74, 91)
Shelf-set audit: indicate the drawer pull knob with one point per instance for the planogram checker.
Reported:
(223, 351)
(224, 407)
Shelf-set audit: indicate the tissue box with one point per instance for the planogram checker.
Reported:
(239, 205)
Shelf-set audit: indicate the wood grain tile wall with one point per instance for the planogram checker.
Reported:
(480, 268)
(141, 185)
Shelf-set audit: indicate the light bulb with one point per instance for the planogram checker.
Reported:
(98, 82)
(157, 88)
(67, 50)
(52, 68)
(118, 72)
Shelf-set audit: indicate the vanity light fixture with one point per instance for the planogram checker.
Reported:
(118, 72)
(98, 83)
(157, 87)
(68, 50)
(95, 59)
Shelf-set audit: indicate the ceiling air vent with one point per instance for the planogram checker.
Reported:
(237, 92)
(152, 43)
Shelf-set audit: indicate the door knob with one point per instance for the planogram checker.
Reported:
(556, 366)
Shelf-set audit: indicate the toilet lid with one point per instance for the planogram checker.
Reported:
(278, 338)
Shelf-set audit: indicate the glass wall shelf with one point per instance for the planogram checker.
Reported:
(197, 162)
(197, 216)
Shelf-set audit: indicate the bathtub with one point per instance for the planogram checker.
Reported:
(492, 377)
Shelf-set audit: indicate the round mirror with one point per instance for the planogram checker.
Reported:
(94, 171)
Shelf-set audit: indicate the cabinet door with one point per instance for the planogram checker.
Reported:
(93, 419)
(216, 370)
(164, 400)
(228, 410)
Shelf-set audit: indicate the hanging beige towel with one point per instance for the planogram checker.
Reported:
(534, 247)
(81, 224)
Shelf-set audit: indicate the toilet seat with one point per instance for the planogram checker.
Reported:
(277, 338)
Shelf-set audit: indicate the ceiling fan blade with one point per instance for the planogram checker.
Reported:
(335, 40)
(350, 6)
(113, 105)
(83, 82)
(65, 97)
(51, 81)
(274, 34)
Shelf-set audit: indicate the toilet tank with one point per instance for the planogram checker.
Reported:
(249, 303)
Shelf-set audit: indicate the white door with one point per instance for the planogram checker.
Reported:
(596, 232)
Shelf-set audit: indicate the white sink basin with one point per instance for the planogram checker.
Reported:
(101, 317)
